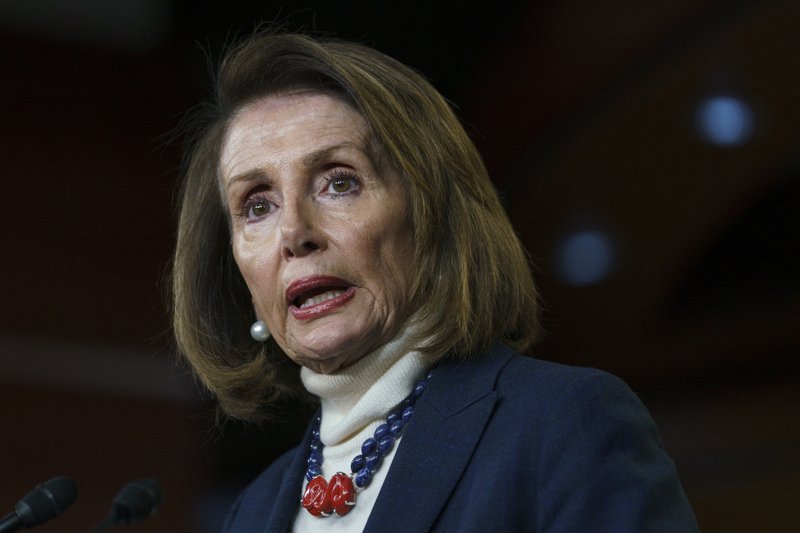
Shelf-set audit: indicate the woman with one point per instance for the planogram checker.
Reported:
(335, 202)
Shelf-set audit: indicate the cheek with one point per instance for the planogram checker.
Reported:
(244, 260)
(255, 265)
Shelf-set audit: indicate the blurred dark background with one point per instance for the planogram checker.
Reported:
(648, 153)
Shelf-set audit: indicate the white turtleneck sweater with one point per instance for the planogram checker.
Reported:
(355, 401)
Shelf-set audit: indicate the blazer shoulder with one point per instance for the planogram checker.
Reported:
(560, 399)
(598, 452)
(550, 369)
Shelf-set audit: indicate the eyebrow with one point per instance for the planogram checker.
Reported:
(309, 161)
(250, 175)
(316, 158)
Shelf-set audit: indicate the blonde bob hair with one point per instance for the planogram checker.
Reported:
(471, 281)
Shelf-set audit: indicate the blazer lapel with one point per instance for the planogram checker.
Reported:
(438, 443)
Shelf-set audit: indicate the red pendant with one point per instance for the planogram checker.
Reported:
(322, 498)
(343, 494)
(315, 499)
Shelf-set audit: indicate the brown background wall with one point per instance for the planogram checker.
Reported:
(585, 114)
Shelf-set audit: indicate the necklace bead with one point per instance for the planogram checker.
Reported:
(321, 498)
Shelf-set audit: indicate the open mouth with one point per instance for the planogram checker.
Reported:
(315, 295)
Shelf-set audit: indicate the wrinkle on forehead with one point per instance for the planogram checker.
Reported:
(368, 143)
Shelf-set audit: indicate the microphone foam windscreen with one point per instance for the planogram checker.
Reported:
(46, 501)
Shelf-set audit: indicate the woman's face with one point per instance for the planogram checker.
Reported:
(319, 232)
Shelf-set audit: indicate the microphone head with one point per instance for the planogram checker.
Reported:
(46, 501)
(137, 500)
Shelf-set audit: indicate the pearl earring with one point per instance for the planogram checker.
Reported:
(259, 331)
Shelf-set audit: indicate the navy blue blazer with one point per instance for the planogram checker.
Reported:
(511, 444)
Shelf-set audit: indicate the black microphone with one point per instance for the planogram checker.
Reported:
(136, 501)
(46, 501)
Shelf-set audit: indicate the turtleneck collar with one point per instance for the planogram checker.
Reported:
(365, 391)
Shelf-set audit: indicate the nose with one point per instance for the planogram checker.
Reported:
(300, 231)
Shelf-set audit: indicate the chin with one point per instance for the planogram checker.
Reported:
(331, 344)
(324, 364)
(326, 354)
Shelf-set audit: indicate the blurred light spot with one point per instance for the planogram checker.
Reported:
(725, 121)
(585, 258)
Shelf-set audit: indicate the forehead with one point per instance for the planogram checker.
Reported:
(276, 107)
(289, 124)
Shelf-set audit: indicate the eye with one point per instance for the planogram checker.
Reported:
(255, 208)
(341, 183)
(259, 209)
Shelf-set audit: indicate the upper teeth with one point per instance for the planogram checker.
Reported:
(319, 298)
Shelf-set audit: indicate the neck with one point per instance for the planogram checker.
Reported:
(363, 392)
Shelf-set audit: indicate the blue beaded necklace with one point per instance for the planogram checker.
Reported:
(322, 498)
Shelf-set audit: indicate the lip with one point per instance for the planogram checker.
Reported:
(302, 285)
